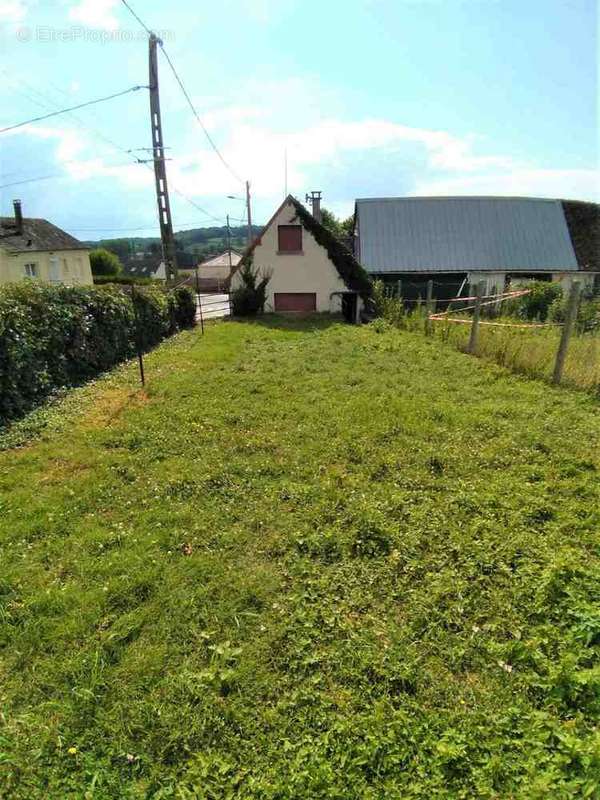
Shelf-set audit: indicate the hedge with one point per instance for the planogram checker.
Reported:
(55, 336)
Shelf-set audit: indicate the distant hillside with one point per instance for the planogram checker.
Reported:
(193, 245)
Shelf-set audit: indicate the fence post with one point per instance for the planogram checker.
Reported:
(474, 337)
(138, 345)
(567, 330)
(429, 308)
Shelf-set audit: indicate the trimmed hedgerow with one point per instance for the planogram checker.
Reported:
(54, 336)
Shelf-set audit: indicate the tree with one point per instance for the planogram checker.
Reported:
(103, 262)
(341, 229)
(249, 297)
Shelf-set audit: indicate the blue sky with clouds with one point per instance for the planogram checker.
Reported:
(368, 97)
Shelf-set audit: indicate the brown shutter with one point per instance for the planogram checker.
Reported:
(289, 238)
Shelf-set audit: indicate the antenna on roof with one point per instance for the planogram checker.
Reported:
(285, 173)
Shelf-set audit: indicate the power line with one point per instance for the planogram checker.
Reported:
(48, 102)
(132, 12)
(185, 94)
(140, 228)
(195, 113)
(73, 108)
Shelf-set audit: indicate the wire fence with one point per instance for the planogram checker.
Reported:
(561, 351)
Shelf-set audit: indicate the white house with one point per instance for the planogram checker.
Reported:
(310, 269)
(34, 249)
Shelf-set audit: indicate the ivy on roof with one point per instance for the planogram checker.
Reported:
(351, 272)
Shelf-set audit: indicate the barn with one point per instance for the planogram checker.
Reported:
(310, 269)
(406, 241)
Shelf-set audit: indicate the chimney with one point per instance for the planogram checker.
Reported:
(18, 216)
(314, 198)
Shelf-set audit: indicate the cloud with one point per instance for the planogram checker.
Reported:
(325, 144)
(95, 14)
(578, 184)
(344, 158)
(12, 11)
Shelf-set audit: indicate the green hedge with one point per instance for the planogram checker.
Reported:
(54, 336)
(126, 280)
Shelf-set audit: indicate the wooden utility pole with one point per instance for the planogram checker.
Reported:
(567, 330)
(160, 172)
(249, 213)
(229, 243)
(474, 337)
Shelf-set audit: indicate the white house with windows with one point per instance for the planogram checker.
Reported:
(310, 269)
(36, 249)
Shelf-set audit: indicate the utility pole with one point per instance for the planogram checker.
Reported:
(229, 243)
(160, 172)
(249, 213)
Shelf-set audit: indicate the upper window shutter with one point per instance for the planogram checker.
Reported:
(289, 238)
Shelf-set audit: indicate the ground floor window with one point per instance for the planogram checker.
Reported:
(31, 270)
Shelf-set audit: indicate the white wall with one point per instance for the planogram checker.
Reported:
(73, 266)
(310, 271)
(495, 280)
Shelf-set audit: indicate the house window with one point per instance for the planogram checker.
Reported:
(65, 266)
(30, 270)
(289, 238)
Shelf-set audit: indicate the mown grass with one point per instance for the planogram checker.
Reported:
(310, 561)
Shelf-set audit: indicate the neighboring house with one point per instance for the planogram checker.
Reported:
(310, 269)
(465, 240)
(218, 269)
(36, 249)
(151, 266)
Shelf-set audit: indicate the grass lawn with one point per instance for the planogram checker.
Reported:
(312, 561)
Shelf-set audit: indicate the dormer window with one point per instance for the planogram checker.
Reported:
(289, 238)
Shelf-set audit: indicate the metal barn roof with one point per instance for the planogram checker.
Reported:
(449, 234)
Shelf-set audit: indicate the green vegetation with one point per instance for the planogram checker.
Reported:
(529, 351)
(55, 336)
(342, 228)
(192, 245)
(103, 262)
(312, 561)
(248, 299)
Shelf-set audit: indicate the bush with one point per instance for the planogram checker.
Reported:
(248, 300)
(126, 280)
(103, 262)
(54, 336)
(536, 304)
(588, 314)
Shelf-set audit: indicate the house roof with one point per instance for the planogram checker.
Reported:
(222, 260)
(446, 234)
(38, 234)
(349, 270)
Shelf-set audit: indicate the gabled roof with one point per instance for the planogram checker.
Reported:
(38, 234)
(445, 234)
(222, 260)
(349, 270)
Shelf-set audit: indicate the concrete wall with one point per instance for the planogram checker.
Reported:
(495, 280)
(309, 271)
(566, 279)
(71, 267)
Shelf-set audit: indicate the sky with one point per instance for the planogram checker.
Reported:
(369, 98)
